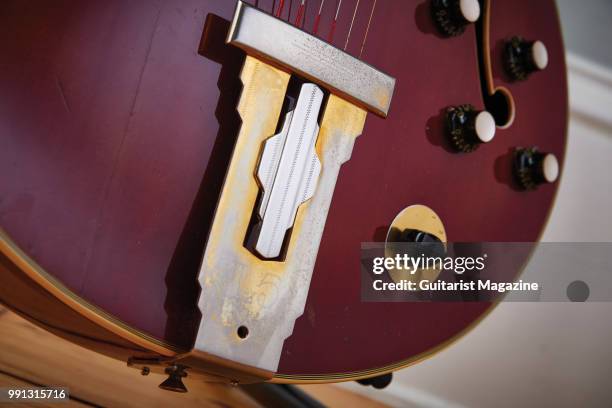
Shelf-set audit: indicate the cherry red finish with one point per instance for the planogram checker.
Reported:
(116, 126)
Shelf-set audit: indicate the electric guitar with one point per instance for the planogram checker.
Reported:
(185, 185)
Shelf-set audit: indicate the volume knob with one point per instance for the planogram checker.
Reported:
(468, 128)
(452, 16)
(524, 57)
(533, 168)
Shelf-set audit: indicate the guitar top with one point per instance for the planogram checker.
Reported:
(120, 120)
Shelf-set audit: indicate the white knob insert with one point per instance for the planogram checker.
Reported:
(470, 10)
(550, 168)
(485, 127)
(539, 55)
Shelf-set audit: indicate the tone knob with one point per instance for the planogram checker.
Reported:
(452, 16)
(468, 128)
(533, 168)
(524, 57)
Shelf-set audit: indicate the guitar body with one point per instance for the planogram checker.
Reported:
(117, 127)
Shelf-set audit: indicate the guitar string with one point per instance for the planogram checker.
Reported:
(315, 28)
(305, 13)
(332, 29)
(300, 19)
(300, 14)
(365, 37)
(281, 4)
(351, 26)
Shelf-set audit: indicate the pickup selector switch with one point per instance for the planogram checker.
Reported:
(468, 128)
(522, 58)
(453, 16)
(532, 168)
